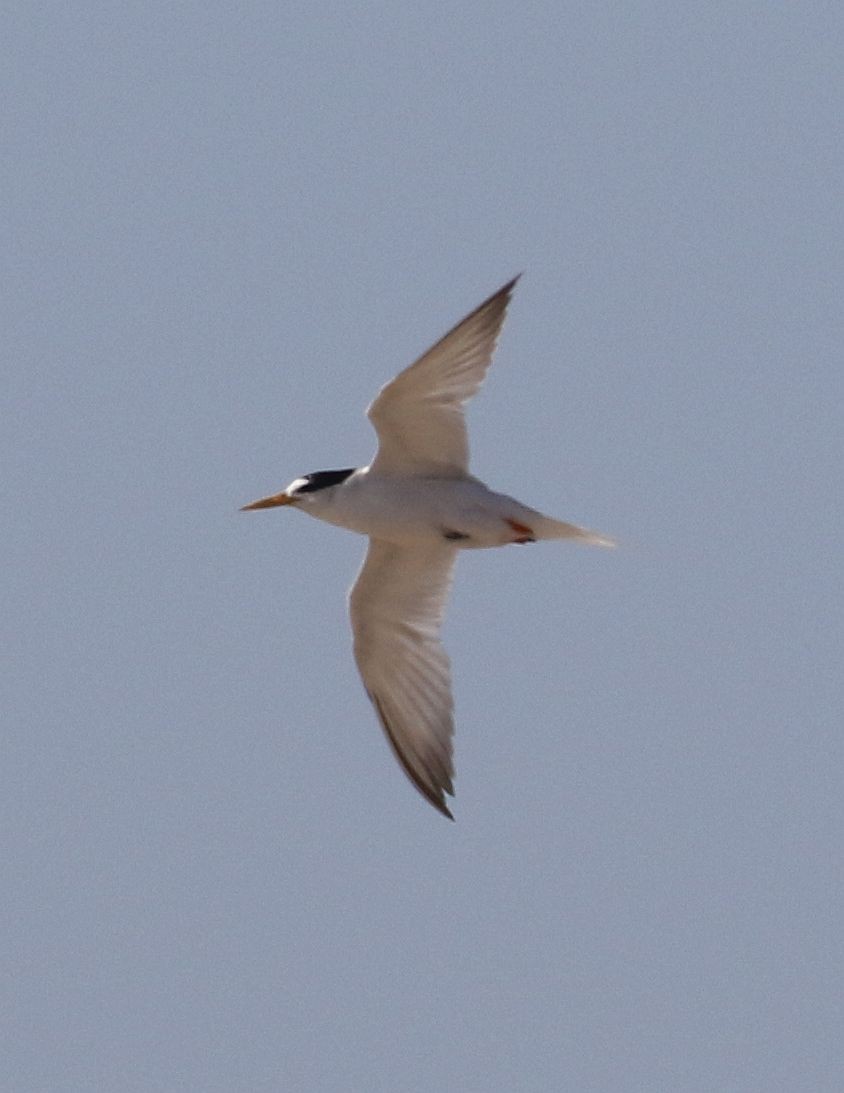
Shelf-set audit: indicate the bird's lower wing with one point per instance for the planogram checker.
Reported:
(397, 607)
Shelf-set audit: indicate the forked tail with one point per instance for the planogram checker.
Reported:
(546, 528)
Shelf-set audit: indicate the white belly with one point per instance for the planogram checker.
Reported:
(462, 510)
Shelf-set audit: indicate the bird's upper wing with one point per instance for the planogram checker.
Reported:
(397, 606)
(419, 415)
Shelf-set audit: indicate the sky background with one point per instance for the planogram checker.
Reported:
(225, 225)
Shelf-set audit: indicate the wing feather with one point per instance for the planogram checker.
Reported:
(397, 607)
(418, 416)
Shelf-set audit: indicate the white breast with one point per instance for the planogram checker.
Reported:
(413, 509)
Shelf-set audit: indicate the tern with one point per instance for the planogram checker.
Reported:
(419, 506)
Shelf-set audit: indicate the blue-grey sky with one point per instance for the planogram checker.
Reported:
(225, 226)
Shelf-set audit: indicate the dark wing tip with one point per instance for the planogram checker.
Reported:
(496, 303)
(505, 292)
(433, 794)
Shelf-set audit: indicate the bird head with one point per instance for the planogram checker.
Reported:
(301, 489)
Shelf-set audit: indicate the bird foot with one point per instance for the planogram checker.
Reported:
(523, 532)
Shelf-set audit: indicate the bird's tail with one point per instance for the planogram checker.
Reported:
(546, 528)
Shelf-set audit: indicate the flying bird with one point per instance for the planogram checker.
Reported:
(419, 506)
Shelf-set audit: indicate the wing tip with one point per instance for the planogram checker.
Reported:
(433, 794)
(506, 291)
(438, 801)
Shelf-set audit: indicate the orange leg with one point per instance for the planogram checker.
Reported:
(523, 532)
